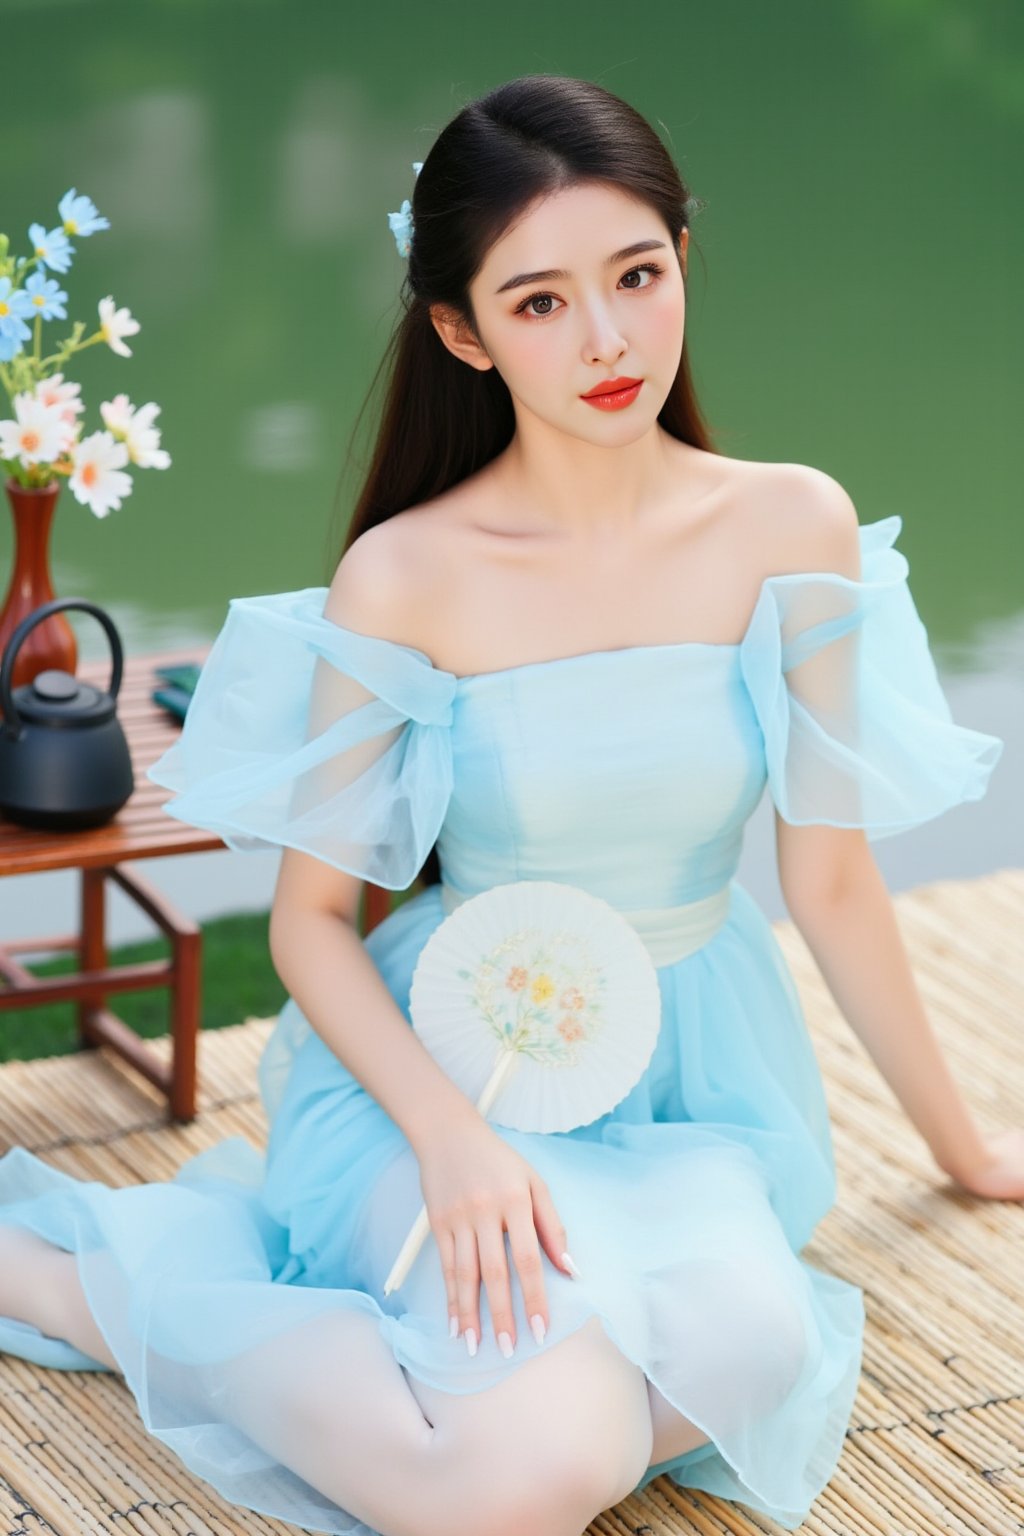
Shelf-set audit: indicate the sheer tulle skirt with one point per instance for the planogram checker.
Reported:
(686, 1208)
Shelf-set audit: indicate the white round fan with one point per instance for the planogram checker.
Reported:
(539, 999)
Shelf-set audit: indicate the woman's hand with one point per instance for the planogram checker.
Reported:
(475, 1186)
(1001, 1175)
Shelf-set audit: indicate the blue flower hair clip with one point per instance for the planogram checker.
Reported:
(401, 222)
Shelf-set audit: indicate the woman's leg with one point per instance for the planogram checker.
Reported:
(673, 1435)
(39, 1285)
(565, 1436)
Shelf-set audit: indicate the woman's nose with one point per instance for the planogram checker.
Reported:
(604, 342)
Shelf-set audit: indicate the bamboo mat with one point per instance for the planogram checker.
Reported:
(935, 1442)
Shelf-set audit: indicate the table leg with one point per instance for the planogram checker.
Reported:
(92, 948)
(182, 975)
(186, 992)
(184, 983)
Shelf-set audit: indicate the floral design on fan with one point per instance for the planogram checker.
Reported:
(540, 992)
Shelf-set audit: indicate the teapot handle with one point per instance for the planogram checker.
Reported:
(10, 713)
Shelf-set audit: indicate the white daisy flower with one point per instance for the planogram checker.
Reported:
(56, 390)
(64, 395)
(98, 480)
(38, 435)
(134, 427)
(117, 414)
(115, 324)
(143, 439)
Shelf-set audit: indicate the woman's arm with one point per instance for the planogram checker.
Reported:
(851, 929)
(314, 940)
(321, 960)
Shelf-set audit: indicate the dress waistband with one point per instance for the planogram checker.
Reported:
(669, 933)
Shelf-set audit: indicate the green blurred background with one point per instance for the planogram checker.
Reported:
(853, 299)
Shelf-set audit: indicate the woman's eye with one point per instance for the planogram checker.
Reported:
(536, 298)
(650, 267)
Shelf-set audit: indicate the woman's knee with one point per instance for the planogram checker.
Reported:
(558, 1490)
(565, 1436)
(609, 1435)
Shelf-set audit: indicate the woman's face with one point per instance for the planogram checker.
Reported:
(553, 338)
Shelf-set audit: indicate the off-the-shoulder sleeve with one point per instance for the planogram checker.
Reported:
(304, 734)
(857, 730)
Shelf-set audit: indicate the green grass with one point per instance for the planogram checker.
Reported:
(239, 981)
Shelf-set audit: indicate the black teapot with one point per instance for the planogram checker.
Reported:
(64, 758)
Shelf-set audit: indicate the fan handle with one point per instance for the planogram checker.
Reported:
(504, 1066)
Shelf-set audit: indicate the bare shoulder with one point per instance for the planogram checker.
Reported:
(387, 580)
(397, 577)
(800, 518)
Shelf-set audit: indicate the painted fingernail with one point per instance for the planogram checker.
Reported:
(453, 1327)
(505, 1344)
(537, 1325)
(568, 1262)
(471, 1340)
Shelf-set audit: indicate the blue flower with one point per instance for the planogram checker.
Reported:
(15, 306)
(80, 214)
(401, 227)
(401, 222)
(48, 297)
(10, 345)
(54, 249)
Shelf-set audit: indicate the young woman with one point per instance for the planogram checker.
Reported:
(566, 640)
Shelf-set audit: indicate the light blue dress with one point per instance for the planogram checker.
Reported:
(630, 773)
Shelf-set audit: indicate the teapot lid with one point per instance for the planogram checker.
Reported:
(56, 698)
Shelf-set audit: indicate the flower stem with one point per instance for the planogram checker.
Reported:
(68, 348)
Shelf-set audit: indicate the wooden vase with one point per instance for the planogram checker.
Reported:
(51, 643)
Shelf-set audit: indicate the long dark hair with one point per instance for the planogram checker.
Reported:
(442, 420)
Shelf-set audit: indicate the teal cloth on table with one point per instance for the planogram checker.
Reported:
(630, 773)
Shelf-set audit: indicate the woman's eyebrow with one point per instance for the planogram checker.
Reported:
(522, 278)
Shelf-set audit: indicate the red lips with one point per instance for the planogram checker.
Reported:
(610, 386)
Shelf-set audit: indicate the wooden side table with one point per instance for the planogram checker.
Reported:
(140, 830)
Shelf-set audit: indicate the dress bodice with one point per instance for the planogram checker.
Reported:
(629, 772)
